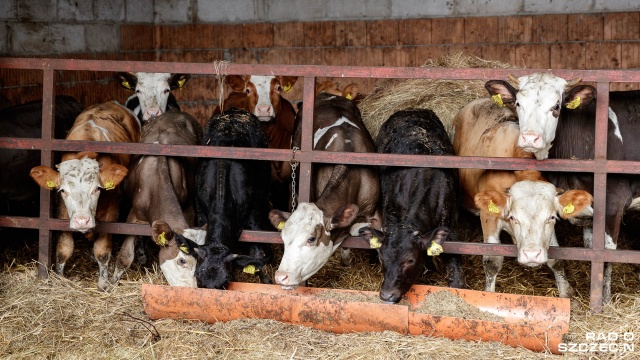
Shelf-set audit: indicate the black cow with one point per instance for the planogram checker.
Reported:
(232, 195)
(419, 205)
(19, 195)
(152, 92)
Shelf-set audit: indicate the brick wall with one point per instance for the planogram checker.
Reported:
(562, 41)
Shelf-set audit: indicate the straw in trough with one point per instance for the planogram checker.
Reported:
(444, 97)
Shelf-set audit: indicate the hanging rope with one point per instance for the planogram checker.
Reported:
(294, 165)
(221, 72)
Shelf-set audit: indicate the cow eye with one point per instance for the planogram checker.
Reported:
(97, 189)
(182, 261)
(61, 191)
(410, 262)
(248, 91)
(517, 104)
(278, 88)
(512, 218)
(557, 107)
(553, 218)
(311, 240)
(166, 91)
(138, 92)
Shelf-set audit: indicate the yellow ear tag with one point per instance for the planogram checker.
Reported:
(126, 84)
(434, 249)
(51, 184)
(287, 88)
(573, 103)
(109, 185)
(161, 239)
(348, 96)
(280, 226)
(493, 208)
(568, 209)
(497, 98)
(181, 82)
(374, 243)
(184, 248)
(249, 269)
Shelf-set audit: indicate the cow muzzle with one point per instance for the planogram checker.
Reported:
(390, 296)
(532, 256)
(531, 141)
(286, 280)
(151, 112)
(82, 223)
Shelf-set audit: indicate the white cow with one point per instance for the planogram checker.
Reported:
(152, 92)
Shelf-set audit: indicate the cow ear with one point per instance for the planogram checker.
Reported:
(579, 96)
(501, 92)
(344, 216)
(432, 243)
(236, 82)
(86, 154)
(287, 82)
(373, 236)
(278, 218)
(574, 203)
(46, 177)
(161, 232)
(177, 81)
(351, 92)
(491, 202)
(111, 175)
(127, 80)
(244, 260)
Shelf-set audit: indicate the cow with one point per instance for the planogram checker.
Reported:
(519, 202)
(162, 188)
(419, 205)
(350, 91)
(152, 92)
(345, 196)
(262, 96)
(557, 118)
(18, 194)
(87, 182)
(232, 195)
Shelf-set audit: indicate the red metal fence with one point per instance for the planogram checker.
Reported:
(599, 166)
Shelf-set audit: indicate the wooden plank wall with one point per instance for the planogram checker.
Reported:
(577, 41)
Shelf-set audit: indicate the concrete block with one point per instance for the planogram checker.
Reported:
(75, 10)
(367, 9)
(172, 11)
(36, 10)
(223, 11)
(8, 9)
(139, 11)
(38, 38)
(488, 7)
(421, 8)
(109, 10)
(102, 37)
(292, 10)
(616, 5)
(557, 6)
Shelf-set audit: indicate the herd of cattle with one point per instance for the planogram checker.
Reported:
(197, 208)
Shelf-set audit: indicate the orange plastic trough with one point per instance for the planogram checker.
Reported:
(533, 322)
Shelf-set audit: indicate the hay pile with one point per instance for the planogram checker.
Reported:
(444, 97)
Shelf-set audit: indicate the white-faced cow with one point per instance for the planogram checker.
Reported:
(345, 195)
(152, 92)
(162, 188)
(262, 96)
(519, 202)
(88, 182)
(419, 205)
(231, 196)
(563, 120)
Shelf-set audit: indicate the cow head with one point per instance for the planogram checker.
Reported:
(528, 211)
(79, 182)
(177, 254)
(308, 242)
(215, 265)
(152, 89)
(537, 102)
(402, 254)
(263, 92)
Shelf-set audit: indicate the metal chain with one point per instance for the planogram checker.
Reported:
(294, 165)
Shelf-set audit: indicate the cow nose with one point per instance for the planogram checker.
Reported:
(530, 140)
(533, 256)
(81, 222)
(150, 112)
(389, 296)
(282, 278)
(264, 110)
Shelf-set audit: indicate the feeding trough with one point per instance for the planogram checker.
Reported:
(533, 322)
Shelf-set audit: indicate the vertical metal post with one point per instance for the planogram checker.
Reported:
(306, 145)
(46, 158)
(599, 193)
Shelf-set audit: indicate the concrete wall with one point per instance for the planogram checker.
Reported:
(43, 27)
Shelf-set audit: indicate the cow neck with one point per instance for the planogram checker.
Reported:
(164, 204)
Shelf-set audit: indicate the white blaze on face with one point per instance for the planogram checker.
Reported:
(153, 91)
(304, 252)
(264, 108)
(538, 104)
(180, 270)
(530, 219)
(80, 190)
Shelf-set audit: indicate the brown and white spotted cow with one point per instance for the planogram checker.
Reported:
(162, 188)
(346, 196)
(262, 96)
(88, 182)
(520, 202)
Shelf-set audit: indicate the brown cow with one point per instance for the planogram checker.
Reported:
(519, 202)
(261, 96)
(83, 177)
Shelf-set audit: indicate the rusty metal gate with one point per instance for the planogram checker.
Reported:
(599, 166)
